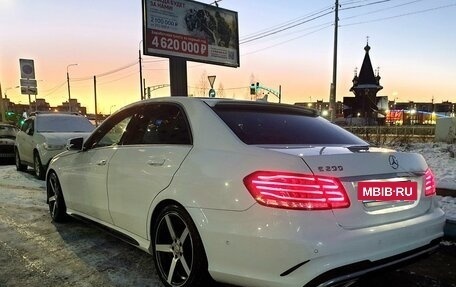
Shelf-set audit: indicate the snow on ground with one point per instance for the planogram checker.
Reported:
(441, 159)
(448, 204)
(439, 156)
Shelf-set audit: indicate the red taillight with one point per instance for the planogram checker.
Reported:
(296, 191)
(429, 183)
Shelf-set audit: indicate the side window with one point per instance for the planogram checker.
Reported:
(25, 126)
(114, 135)
(161, 124)
(112, 131)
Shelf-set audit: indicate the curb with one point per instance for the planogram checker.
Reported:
(446, 192)
(449, 229)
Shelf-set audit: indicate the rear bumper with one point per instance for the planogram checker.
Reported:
(356, 270)
(6, 151)
(273, 247)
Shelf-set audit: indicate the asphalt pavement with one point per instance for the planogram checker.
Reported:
(34, 251)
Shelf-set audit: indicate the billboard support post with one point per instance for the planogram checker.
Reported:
(178, 76)
(141, 76)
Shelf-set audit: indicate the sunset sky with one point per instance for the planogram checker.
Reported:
(412, 42)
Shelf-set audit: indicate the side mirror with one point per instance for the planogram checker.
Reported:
(75, 144)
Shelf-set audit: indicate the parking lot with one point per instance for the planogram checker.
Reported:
(34, 251)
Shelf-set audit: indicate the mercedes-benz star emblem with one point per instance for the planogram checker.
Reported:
(393, 161)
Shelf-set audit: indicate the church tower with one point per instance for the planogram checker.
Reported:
(365, 87)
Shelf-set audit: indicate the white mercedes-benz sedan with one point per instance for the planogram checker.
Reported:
(247, 193)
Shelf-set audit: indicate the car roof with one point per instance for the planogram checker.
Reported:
(212, 102)
(56, 114)
(8, 125)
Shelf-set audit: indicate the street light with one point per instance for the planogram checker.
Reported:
(110, 109)
(68, 82)
(6, 97)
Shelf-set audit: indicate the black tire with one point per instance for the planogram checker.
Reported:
(39, 169)
(179, 256)
(56, 202)
(19, 165)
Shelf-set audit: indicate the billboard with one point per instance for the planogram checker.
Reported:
(191, 30)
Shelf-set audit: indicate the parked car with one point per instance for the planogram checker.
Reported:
(247, 193)
(7, 136)
(44, 135)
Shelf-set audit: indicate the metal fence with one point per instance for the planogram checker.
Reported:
(385, 135)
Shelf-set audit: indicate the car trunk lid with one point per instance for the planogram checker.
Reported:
(353, 165)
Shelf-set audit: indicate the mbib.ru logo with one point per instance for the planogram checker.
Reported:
(385, 191)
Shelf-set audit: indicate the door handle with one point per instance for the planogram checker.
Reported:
(101, 162)
(157, 162)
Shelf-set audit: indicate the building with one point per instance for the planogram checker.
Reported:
(363, 108)
(323, 107)
(40, 105)
(75, 107)
(418, 113)
(15, 112)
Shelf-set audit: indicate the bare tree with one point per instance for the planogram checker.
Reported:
(202, 87)
(220, 91)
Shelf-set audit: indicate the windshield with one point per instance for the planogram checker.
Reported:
(63, 123)
(8, 132)
(263, 125)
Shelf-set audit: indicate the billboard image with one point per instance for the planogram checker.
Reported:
(191, 30)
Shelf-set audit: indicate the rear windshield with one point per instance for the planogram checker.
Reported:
(260, 125)
(8, 132)
(62, 124)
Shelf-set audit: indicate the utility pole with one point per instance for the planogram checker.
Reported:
(2, 107)
(95, 96)
(140, 76)
(280, 93)
(332, 96)
(68, 83)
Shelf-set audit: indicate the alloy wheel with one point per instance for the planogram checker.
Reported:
(174, 249)
(19, 165)
(57, 207)
(39, 170)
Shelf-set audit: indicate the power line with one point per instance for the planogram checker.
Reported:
(285, 28)
(400, 15)
(118, 79)
(106, 73)
(54, 89)
(353, 2)
(283, 25)
(383, 9)
(155, 69)
(117, 70)
(287, 41)
(154, 61)
(364, 5)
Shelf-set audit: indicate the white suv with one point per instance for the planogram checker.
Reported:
(44, 135)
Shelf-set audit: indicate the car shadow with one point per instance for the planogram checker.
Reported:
(122, 263)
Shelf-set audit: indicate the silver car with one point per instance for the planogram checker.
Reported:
(44, 135)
